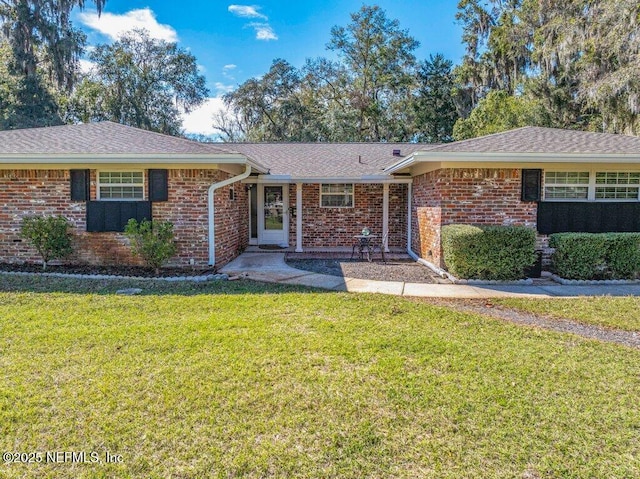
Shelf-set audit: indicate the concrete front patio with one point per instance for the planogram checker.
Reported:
(271, 267)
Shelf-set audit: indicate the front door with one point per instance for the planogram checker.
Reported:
(273, 217)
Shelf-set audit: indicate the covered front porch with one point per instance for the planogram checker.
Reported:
(323, 216)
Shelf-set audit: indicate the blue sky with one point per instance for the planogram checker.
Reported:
(233, 42)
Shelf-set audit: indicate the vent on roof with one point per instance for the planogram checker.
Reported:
(396, 152)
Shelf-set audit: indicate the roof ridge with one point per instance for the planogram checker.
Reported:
(323, 143)
(490, 135)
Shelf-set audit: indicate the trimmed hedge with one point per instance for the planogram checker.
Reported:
(596, 255)
(488, 252)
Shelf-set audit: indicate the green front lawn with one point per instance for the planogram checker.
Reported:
(611, 312)
(250, 380)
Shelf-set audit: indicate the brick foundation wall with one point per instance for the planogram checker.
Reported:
(47, 192)
(335, 227)
(465, 196)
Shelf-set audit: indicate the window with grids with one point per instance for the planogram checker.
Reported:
(121, 185)
(336, 195)
(566, 185)
(617, 185)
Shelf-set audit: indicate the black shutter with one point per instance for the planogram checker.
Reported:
(95, 216)
(80, 185)
(158, 185)
(531, 185)
(104, 216)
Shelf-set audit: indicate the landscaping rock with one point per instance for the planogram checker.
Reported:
(129, 291)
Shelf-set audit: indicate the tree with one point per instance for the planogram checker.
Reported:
(580, 59)
(379, 62)
(499, 111)
(270, 108)
(42, 60)
(366, 95)
(141, 82)
(42, 29)
(25, 102)
(435, 108)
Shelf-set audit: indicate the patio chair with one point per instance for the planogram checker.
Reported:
(381, 246)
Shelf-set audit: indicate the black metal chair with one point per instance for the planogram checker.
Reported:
(382, 246)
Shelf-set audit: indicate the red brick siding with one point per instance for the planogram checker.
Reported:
(335, 227)
(398, 215)
(32, 192)
(187, 210)
(47, 192)
(426, 216)
(466, 196)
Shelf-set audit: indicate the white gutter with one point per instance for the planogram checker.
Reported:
(212, 190)
(264, 179)
(523, 158)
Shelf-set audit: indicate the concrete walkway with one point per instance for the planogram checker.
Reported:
(271, 267)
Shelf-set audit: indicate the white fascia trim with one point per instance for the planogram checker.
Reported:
(493, 157)
(128, 159)
(531, 157)
(324, 179)
(401, 165)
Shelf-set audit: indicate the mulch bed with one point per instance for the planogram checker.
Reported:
(407, 271)
(138, 271)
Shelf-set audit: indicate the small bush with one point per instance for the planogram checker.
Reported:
(152, 241)
(49, 235)
(488, 252)
(596, 255)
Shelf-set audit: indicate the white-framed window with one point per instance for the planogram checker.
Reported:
(566, 185)
(616, 185)
(120, 185)
(593, 185)
(336, 195)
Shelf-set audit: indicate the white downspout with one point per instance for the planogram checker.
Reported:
(409, 232)
(212, 229)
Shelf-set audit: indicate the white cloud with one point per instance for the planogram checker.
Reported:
(247, 11)
(221, 88)
(200, 120)
(227, 71)
(114, 25)
(86, 65)
(263, 31)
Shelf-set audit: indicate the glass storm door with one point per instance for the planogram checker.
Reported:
(273, 214)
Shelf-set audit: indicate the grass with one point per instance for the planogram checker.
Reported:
(610, 312)
(249, 380)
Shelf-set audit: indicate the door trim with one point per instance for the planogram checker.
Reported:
(284, 241)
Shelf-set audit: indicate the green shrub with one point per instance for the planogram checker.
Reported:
(49, 235)
(596, 255)
(488, 252)
(152, 241)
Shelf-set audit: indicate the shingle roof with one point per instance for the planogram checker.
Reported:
(99, 138)
(532, 139)
(326, 160)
